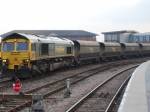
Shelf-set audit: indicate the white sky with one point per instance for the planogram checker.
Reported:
(92, 15)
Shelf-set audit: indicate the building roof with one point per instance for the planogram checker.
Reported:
(121, 31)
(142, 34)
(54, 33)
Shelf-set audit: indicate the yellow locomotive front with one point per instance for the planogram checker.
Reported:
(16, 53)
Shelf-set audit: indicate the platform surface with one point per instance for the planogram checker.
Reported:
(137, 94)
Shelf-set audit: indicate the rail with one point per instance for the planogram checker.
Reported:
(112, 102)
(77, 104)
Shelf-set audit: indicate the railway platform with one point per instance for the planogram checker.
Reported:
(137, 94)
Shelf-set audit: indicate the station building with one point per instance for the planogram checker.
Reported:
(118, 36)
(140, 37)
(69, 34)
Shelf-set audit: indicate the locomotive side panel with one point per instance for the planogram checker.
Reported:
(63, 50)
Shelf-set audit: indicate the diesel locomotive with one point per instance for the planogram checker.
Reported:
(26, 54)
(23, 53)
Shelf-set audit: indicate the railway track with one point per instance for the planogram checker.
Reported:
(60, 84)
(114, 103)
(55, 87)
(5, 79)
(13, 103)
(5, 82)
(75, 78)
(100, 98)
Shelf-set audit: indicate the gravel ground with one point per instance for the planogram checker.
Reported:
(57, 102)
(101, 98)
(27, 85)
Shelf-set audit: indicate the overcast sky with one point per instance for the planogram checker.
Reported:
(91, 15)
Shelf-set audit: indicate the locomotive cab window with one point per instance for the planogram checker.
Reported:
(69, 50)
(21, 46)
(44, 49)
(8, 46)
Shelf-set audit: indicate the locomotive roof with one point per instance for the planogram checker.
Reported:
(41, 39)
(46, 39)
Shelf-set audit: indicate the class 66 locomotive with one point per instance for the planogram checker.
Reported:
(24, 54)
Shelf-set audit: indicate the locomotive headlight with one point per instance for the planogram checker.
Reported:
(26, 60)
(4, 60)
